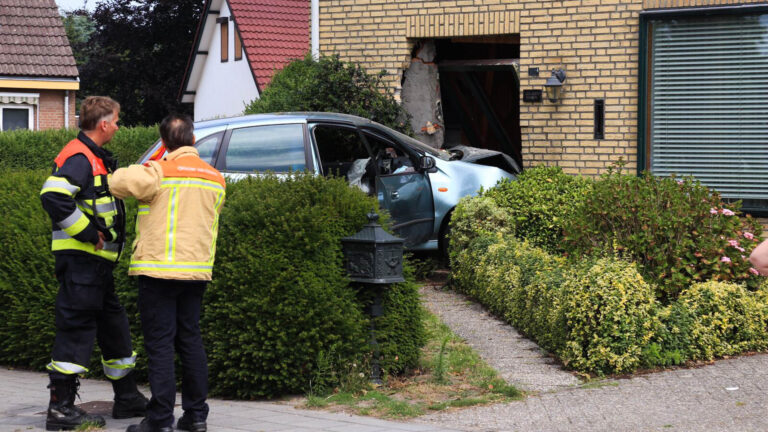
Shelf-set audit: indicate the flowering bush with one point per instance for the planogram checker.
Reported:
(678, 231)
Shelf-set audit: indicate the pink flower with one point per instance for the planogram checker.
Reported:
(754, 271)
(725, 259)
(727, 212)
(713, 211)
(749, 235)
(740, 249)
(734, 243)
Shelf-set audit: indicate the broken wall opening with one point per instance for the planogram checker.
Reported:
(466, 92)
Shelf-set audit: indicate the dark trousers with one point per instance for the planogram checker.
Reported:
(170, 316)
(87, 308)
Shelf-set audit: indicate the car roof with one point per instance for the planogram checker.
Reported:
(285, 117)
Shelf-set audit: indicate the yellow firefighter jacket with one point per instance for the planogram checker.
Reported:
(180, 199)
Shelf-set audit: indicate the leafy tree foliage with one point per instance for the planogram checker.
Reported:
(137, 54)
(331, 85)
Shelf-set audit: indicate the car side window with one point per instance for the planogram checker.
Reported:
(339, 147)
(207, 147)
(278, 148)
(390, 159)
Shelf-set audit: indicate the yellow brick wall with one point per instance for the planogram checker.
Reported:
(595, 41)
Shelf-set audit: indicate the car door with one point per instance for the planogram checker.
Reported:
(402, 189)
(278, 148)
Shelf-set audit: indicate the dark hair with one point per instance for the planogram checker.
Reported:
(177, 130)
(94, 109)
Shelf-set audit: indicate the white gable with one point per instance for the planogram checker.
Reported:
(219, 89)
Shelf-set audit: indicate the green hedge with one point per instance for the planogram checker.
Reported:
(678, 231)
(37, 149)
(279, 301)
(599, 315)
(539, 202)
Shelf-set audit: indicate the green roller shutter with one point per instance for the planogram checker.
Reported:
(709, 103)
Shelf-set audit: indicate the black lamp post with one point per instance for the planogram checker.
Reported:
(554, 85)
(374, 259)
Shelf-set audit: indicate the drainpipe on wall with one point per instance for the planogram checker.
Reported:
(37, 117)
(66, 109)
(315, 11)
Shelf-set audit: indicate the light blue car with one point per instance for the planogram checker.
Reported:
(417, 184)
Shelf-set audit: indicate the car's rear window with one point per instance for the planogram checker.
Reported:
(277, 148)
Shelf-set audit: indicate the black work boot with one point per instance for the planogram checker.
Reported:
(62, 412)
(129, 402)
(187, 424)
(146, 426)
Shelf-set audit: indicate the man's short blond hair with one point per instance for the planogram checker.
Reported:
(94, 109)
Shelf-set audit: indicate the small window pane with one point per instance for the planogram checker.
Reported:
(224, 40)
(278, 148)
(207, 148)
(15, 118)
(238, 46)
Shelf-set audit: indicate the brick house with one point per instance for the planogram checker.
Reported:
(238, 46)
(38, 76)
(667, 85)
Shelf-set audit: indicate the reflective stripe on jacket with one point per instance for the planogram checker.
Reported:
(94, 205)
(180, 199)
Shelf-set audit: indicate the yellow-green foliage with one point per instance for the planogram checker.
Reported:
(727, 319)
(474, 217)
(609, 313)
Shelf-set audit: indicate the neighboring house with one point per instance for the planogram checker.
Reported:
(38, 76)
(238, 47)
(671, 86)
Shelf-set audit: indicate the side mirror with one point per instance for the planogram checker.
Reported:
(426, 163)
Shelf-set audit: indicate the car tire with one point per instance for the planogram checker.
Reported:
(443, 242)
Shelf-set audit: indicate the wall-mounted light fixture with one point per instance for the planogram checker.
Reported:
(554, 84)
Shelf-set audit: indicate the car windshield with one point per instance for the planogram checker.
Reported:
(418, 145)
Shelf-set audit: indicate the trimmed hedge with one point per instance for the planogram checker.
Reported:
(599, 315)
(678, 231)
(279, 301)
(539, 202)
(37, 149)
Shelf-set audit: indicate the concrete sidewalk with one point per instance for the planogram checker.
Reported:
(24, 400)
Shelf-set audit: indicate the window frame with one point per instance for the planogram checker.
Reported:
(238, 44)
(644, 75)
(30, 116)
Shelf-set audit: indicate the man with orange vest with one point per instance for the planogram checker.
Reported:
(180, 199)
(88, 231)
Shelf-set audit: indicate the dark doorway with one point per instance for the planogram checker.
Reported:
(480, 91)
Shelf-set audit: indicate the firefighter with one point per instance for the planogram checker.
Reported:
(180, 199)
(88, 233)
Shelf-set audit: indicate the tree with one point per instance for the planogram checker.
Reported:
(331, 85)
(138, 53)
(79, 27)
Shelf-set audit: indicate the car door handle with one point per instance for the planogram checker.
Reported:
(395, 195)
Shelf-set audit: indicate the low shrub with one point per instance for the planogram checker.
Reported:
(474, 217)
(280, 302)
(37, 149)
(676, 230)
(727, 319)
(539, 201)
(608, 308)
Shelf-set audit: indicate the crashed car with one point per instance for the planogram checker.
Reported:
(417, 184)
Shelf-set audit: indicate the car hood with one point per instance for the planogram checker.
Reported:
(485, 157)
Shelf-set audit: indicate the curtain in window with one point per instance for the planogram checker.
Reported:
(709, 103)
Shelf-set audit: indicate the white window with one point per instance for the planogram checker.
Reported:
(15, 116)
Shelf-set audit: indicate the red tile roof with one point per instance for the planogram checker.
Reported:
(32, 40)
(273, 33)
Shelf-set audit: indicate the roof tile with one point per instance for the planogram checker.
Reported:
(33, 41)
(274, 32)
